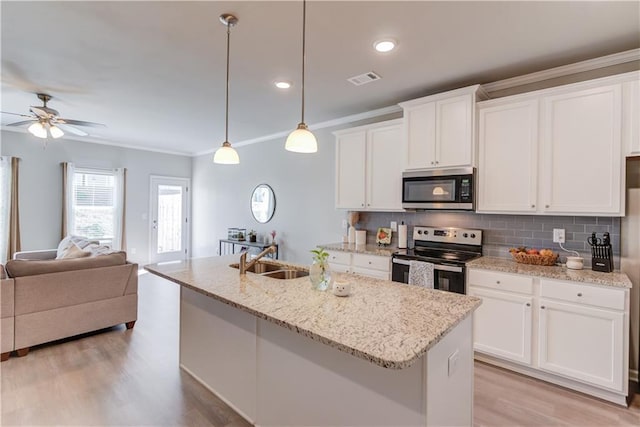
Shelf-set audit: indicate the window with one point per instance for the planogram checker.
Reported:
(94, 207)
(95, 204)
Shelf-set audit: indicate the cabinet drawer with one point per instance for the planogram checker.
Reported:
(337, 257)
(583, 294)
(501, 281)
(371, 262)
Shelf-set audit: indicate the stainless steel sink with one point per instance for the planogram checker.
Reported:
(273, 270)
(286, 274)
(262, 267)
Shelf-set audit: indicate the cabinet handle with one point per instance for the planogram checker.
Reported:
(546, 206)
(432, 163)
(369, 262)
(542, 307)
(528, 304)
(533, 206)
(368, 204)
(498, 282)
(579, 294)
(437, 162)
(362, 204)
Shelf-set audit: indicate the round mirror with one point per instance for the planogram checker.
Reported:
(263, 203)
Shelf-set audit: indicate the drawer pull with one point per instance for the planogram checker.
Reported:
(528, 304)
(369, 262)
(542, 307)
(533, 206)
(579, 294)
(498, 282)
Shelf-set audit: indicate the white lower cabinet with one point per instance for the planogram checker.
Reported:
(363, 264)
(502, 324)
(583, 343)
(570, 333)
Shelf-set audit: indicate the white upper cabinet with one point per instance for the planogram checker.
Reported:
(557, 151)
(440, 128)
(369, 164)
(582, 162)
(631, 117)
(508, 157)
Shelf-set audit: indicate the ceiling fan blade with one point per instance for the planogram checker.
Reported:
(17, 114)
(79, 123)
(22, 122)
(67, 128)
(40, 112)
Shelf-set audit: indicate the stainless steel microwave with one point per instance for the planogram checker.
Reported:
(442, 189)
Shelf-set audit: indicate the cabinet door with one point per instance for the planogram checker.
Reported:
(583, 343)
(377, 274)
(420, 128)
(350, 170)
(508, 157)
(384, 172)
(631, 117)
(502, 324)
(582, 157)
(454, 131)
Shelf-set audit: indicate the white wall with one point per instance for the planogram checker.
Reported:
(303, 184)
(41, 185)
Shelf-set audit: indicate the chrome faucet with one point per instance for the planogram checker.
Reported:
(244, 265)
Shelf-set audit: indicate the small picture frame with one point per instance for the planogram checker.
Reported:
(383, 236)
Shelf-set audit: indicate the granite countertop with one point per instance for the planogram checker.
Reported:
(368, 249)
(387, 323)
(615, 279)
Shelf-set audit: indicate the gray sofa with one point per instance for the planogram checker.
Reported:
(43, 299)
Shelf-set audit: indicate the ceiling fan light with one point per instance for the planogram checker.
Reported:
(55, 132)
(301, 140)
(37, 130)
(226, 155)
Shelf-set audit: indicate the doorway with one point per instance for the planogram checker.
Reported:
(169, 219)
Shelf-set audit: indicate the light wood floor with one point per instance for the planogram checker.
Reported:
(131, 378)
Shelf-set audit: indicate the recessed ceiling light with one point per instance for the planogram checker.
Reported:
(385, 45)
(283, 85)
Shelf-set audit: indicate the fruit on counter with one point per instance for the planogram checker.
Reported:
(532, 251)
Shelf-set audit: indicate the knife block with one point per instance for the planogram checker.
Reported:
(601, 258)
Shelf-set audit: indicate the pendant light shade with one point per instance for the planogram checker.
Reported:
(226, 155)
(302, 140)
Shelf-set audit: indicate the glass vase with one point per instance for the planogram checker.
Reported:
(320, 276)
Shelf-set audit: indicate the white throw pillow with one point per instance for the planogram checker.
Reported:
(68, 242)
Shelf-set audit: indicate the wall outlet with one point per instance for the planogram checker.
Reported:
(345, 224)
(394, 226)
(558, 235)
(453, 362)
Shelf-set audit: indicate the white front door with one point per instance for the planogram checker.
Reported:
(169, 219)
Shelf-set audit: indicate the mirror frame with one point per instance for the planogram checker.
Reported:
(273, 194)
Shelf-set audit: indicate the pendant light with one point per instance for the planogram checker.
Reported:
(226, 155)
(302, 140)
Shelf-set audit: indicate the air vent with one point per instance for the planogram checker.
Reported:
(364, 78)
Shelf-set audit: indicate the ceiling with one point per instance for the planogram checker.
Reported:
(154, 72)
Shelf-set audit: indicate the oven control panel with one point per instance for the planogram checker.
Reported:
(462, 236)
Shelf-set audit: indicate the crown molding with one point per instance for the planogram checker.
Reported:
(316, 126)
(565, 70)
(104, 142)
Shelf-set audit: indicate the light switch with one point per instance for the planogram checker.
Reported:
(394, 226)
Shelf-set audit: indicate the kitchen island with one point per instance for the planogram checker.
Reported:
(282, 353)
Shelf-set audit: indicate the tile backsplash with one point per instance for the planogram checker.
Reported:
(501, 232)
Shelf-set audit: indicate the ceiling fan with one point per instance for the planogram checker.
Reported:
(45, 121)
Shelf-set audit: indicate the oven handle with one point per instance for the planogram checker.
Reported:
(442, 267)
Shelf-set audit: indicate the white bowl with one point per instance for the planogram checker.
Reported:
(575, 262)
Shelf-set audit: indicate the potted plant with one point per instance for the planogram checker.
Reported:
(319, 272)
(252, 235)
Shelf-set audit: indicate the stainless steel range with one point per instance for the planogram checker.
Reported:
(448, 248)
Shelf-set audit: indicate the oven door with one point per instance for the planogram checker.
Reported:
(446, 277)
